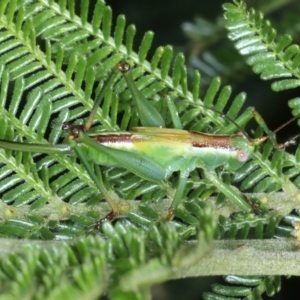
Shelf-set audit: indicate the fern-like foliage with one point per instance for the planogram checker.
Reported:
(54, 61)
(255, 37)
(276, 60)
(59, 84)
(246, 287)
(93, 266)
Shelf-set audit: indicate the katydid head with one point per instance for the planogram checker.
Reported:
(74, 130)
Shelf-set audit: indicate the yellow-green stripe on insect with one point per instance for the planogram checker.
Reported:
(153, 152)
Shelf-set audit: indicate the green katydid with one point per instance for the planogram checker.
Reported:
(153, 152)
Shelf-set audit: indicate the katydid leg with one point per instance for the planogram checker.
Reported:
(148, 113)
(97, 180)
(178, 194)
(109, 196)
(261, 122)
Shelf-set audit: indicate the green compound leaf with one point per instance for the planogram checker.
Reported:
(55, 58)
(255, 38)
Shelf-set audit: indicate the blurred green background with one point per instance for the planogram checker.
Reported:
(196, 28)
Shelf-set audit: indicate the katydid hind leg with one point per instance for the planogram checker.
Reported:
(75, 131)
(148, 113)
(109, 197)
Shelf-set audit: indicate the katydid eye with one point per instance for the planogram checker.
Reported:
(241, 155)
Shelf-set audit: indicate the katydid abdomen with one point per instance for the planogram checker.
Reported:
(167, 151)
